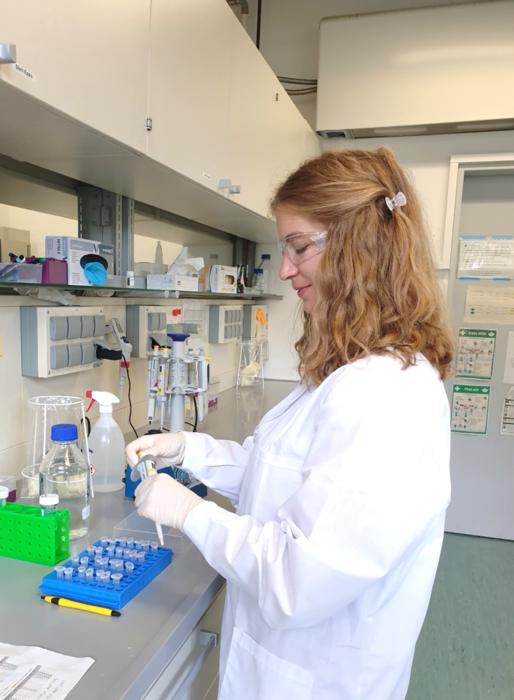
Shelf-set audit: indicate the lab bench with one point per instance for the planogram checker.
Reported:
(155, 648)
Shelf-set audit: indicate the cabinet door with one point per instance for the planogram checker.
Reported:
(87, 60)
(269, 137)
(189, 84)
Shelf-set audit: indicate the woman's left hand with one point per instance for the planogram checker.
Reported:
(162, 499)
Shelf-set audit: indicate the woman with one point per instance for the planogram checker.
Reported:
(341, 492)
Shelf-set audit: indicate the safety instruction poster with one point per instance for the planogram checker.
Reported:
(470, 407)
(507, 426)
(489, 304)
(486, 257)
(475, 353)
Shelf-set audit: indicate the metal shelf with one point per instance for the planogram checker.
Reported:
(11, 287)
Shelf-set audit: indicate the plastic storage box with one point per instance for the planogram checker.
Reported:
(21, 272)
(92, 588)
(28, 535)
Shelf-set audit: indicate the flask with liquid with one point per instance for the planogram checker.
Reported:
(64, 471)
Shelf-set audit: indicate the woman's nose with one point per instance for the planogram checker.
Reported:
(287, 268)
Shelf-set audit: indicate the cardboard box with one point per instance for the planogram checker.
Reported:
(222, 279)
(176, 283)
(77, 250)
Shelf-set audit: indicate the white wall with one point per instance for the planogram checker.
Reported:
(15, 434)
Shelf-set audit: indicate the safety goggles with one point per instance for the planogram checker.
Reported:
(300, 247)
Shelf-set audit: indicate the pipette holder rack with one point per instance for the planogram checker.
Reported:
(28, 535)
(108, 595)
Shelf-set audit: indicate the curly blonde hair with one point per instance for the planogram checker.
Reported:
(377, 288)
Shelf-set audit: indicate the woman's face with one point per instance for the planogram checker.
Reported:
(302, 243)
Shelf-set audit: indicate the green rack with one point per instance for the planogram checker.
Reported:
(27, 534)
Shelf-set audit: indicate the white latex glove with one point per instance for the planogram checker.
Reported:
(168, 448)
(165, 501)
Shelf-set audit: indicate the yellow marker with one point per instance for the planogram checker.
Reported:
(66, 603)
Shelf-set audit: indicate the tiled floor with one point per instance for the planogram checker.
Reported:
(466, 647)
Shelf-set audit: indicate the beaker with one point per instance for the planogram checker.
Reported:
(45, 411)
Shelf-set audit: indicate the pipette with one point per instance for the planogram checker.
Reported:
(143, 469)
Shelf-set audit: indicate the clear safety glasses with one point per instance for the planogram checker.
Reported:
(300, 247)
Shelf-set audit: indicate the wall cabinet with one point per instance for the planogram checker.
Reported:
(98, 70)
(87, 60)
(189, 86)
(268, 137)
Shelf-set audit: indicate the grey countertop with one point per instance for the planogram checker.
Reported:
(132, 650)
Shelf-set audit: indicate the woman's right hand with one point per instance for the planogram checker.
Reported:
(167, 448)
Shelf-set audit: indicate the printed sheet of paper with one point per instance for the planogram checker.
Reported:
(489, 305)
(38, 674)
(470, 406)
(507, 426)
(475, 353)
(486, 257)
(508, 370)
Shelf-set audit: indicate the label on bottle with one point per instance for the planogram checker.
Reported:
(85, 512)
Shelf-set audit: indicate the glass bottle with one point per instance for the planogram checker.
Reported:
(64, 471)
(4, 493)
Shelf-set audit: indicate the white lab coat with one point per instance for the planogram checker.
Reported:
(331, 557)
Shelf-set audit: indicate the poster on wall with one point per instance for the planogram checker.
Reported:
(475, 353)
(470, 407)
(486, 257)
(489, 304)
(507, 426)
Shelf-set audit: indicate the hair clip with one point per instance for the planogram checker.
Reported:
(399, 200)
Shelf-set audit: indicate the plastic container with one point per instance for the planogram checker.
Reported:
(139, 528)
(106, 446)
(21, 272)
(64, 471)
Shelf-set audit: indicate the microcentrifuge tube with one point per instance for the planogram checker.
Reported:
(59, 570)
(81, 571)
(116, 579)
(68, 573)
(129, 566)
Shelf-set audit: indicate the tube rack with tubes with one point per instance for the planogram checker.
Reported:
(174, 373)
(108, 581)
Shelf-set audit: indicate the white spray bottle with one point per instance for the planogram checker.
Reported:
(106, 445)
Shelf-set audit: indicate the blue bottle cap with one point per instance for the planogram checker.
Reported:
(266, 256)
(178, 337)
(64, 432)
(257, 270)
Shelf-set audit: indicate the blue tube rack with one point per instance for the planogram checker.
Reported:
(108, 595)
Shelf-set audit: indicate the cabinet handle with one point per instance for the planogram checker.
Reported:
(7, 53)
(207, 641)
